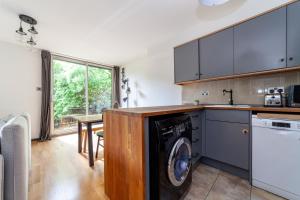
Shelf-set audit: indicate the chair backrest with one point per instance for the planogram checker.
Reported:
(116, 105)
(103, 110)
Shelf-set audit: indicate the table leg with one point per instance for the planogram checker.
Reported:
(90, 143)
(79, 137)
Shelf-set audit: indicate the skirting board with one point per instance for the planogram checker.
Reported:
(275, 190)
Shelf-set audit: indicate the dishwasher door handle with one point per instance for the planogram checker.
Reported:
(274, 128)
(281, 130)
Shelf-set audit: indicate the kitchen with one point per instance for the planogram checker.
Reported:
(150, 99)
(239, 87)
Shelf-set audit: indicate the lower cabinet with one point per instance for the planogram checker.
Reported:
(228, 142)
(196, 118)
(222, 135)
(196, 147)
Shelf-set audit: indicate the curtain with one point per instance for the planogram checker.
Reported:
(46, 95)
(116, 90)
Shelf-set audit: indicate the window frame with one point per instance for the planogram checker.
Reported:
(87, 64)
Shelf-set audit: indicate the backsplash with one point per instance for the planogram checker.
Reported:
(246, 90)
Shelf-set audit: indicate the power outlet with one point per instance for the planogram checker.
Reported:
(275, 90)
(204, 93)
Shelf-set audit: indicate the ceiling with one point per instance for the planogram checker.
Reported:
(117, 31)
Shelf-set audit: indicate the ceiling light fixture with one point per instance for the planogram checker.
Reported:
(32, 22)
(20, 30)
(31, 42)
(213, 2)
(32, 30)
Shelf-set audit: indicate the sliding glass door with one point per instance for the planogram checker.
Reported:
(99, 89)
(78, 89)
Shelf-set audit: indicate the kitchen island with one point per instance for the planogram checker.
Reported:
(126, 151)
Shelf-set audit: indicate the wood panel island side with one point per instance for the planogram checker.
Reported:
(124, 151)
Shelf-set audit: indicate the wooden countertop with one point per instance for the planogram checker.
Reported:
(157, 110)
(89, 118)
(163, 110)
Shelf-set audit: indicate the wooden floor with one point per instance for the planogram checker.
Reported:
(60, 173)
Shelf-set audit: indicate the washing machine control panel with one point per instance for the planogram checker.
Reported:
(175, 127)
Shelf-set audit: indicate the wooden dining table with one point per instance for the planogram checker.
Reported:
(88, 120)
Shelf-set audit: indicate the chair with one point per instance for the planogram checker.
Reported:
(98, 127)
(95, 129)
(100, 135)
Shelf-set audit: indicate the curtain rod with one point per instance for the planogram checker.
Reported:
(81, 60)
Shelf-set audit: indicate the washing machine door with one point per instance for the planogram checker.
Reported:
(180, 162)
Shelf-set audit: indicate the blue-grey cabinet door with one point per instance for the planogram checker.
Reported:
(216, 54)
(260, 44)
(293, 34)
(196, 118)
(186, 62)
(228, 143)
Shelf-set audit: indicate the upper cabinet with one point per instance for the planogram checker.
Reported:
(186, 61)
(260, 44)
(293, 34)
(268, 42)
(216, 54)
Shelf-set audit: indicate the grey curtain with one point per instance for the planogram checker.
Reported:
(116, 90)
(46, 95)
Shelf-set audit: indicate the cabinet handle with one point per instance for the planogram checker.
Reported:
(291, 58)
(282, 60)
(245, 131)
(196, 140)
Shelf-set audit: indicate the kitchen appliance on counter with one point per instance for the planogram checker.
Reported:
(170, 156)
(293, 96)
(275, 154)
(274, 97)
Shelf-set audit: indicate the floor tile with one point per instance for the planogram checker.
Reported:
(229, 187)
(203, 180)
(211, 184)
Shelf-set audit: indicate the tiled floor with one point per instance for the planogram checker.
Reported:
(212, 184)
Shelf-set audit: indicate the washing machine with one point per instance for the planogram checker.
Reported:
(170, 153)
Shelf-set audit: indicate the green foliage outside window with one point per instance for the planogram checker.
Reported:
(69, 93)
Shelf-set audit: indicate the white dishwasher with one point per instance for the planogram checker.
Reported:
(276, 155)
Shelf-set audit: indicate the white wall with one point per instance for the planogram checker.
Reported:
(20, 75)
(151, 76)
(152, 81)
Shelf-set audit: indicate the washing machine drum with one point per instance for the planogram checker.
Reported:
(180, 162)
